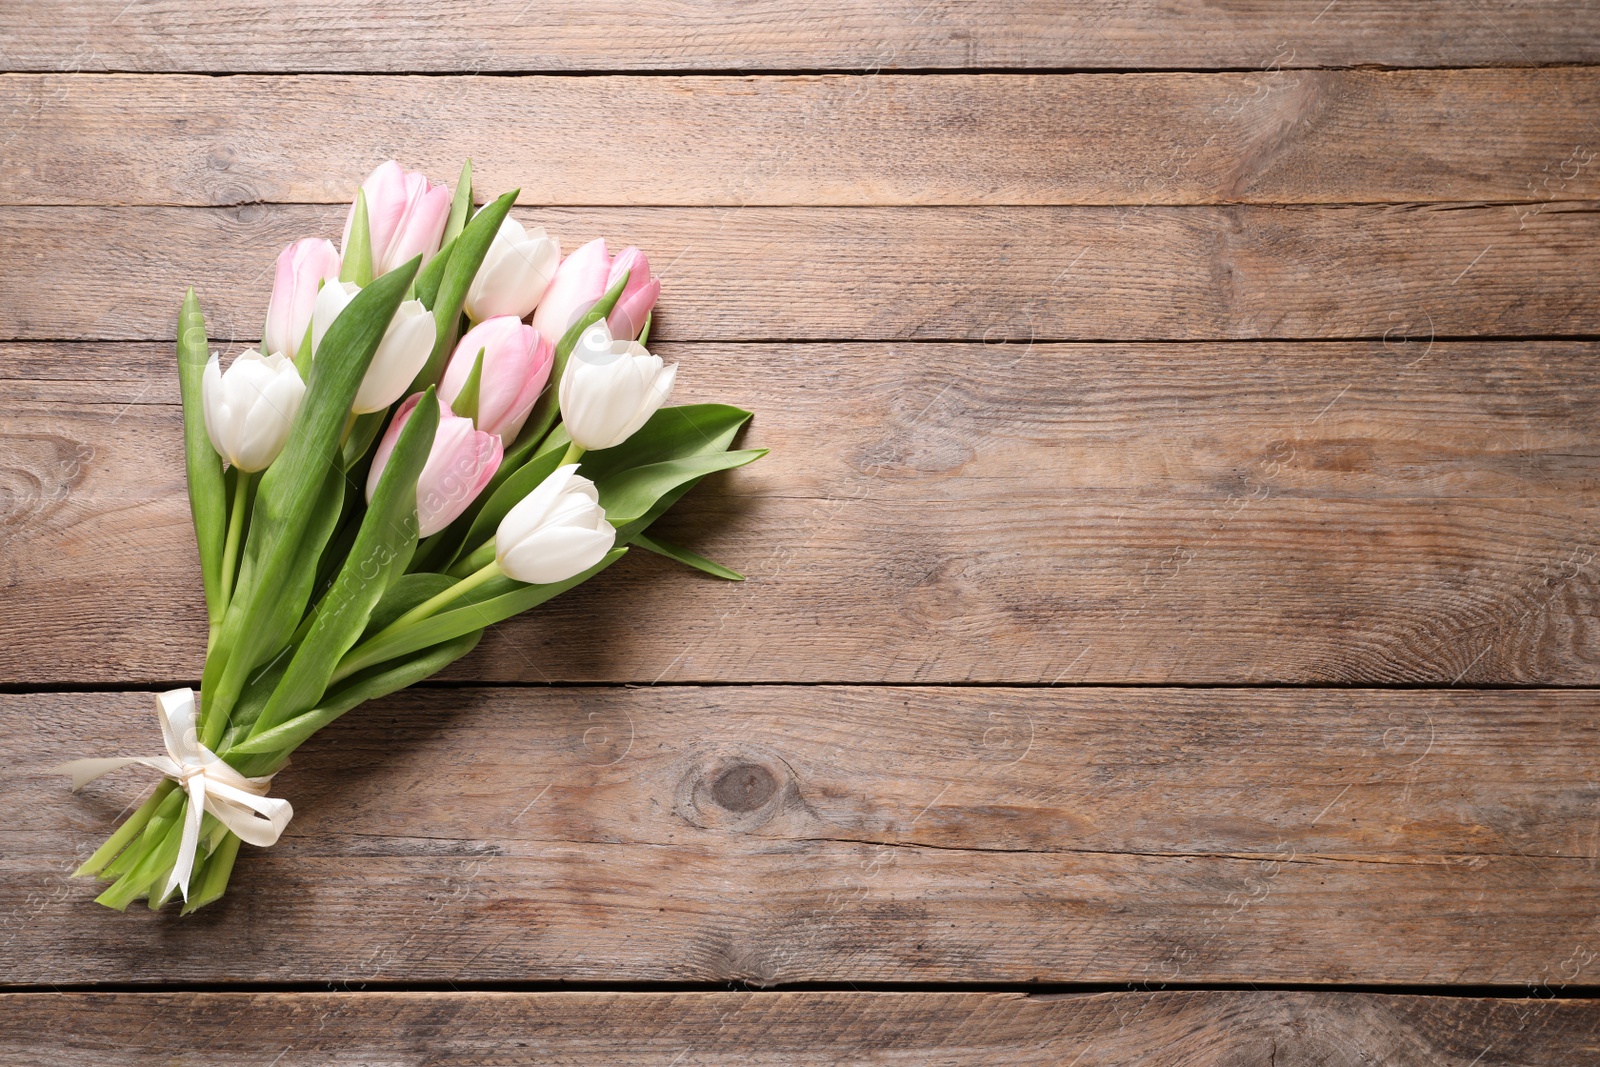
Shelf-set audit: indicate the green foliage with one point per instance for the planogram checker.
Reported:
(278, 547)
(357, 263)
(683, 555)
(382, 548)
(208, 499)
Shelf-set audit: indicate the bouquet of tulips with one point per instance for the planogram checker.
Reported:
(408, 459)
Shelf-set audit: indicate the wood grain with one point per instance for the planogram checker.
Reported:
(1223, 513)
(485, 36)
(992, 274)
(1282, 136)
(829, 834)
(1199, 1029)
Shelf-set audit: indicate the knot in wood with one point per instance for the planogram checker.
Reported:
(744, 787)
(740, 788)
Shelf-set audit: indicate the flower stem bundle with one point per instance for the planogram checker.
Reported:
(446, 424)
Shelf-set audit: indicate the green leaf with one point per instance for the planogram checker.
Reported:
(381, 551)
(630, 531)
(649, 318)
(671, 433)
(407, 592)
(257, 691)
(448, 625)
(289, 493)
(294, 592)
(357, 264)
(683, 555)
(266, 752)
(465, 258)
(208, 498)
(302, 355)
(461, 205)
(427, 287)
(630, 494)
(466, 402)
(363, 432)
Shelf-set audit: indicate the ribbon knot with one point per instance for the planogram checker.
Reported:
(241, 804)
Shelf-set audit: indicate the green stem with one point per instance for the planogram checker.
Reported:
(420, 612)
(230, 548)
(212, 881)
(481, 555)
(574, 453)
(154, 830)
(159, 845)
(125, 833)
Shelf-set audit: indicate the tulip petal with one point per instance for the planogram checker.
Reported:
(579, 281)
(404, 349)
(557, 554)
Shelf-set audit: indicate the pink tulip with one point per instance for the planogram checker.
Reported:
(302, 267)
(461, 463)
(405, 216)
(516, 365)
(579, 282)
(638, 296)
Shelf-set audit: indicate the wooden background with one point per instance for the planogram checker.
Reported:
(1173, 616)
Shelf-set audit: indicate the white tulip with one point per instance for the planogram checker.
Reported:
(556, 532)
(403, 351)
(250, 409)
(331, 299)
(515, 273)
(611, 388)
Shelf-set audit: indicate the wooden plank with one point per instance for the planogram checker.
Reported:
(1200, 1028)
(1221, 513)
(992, 274)
(511, 35)
(1285, 136)
(807, 833)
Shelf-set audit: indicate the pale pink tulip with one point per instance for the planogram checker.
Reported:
(302, 267)
(405, 216)
(516, 365)
(579, 282)
(461, 463)
(638, 296)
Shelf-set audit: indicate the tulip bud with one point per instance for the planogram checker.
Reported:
(405, 216)
(401, 354)
(515, 273)
(250, 409)
(611, 388)
(579, 282)
(301, 268)
(638, 296)
(460, 464)
(555, 532)
(516, 365)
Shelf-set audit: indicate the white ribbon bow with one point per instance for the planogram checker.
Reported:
(239, 803)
